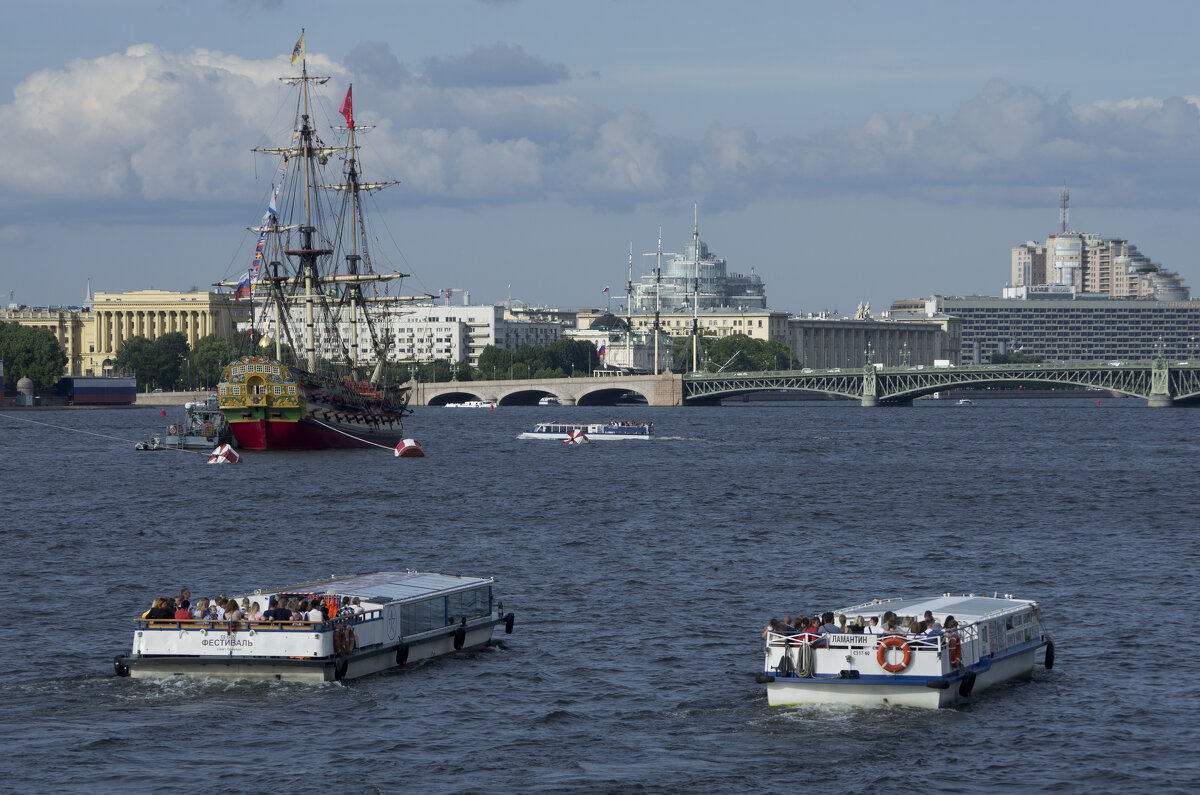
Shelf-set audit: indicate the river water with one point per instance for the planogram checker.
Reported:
(641, 574)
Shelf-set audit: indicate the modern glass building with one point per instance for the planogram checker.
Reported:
(1057, 326)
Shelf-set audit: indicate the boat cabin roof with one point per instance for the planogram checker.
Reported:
(391, 586)
(965, 608)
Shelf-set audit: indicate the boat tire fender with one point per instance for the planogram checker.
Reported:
(402, 654)
(511, 617)
(967, 684)
(1049, 654)
(339, 668)
(937, 684)
(460, 637)
(764, 679)
(121, 668)
(898, 642)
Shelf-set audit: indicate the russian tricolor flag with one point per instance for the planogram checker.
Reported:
(243, 287)
(600, 350)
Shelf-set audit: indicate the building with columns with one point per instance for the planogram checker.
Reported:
(91, 336)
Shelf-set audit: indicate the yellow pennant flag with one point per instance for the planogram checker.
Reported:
(298, 50)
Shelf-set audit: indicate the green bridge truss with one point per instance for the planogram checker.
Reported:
(1159, 382)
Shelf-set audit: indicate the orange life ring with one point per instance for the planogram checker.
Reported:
(339, 640)
(174, 429)
(881, 654)
(955, 651)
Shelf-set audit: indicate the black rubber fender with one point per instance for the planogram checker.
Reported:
(1049, 654)
(339, 668)
(967, 684)
(402, 654)
(121, 668)
(937, 684)
(764, 679)
(508, 623)
(460, 637)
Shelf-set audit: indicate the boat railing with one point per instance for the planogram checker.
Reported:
(258, 626)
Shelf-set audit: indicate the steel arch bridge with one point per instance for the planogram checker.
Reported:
(1159, 383)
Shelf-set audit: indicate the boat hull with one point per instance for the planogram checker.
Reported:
(300, 434)
(903, 693)
(362, 662)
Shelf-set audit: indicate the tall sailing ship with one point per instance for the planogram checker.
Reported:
(312, 261)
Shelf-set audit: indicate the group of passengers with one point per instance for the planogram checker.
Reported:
(224, 608)
(810, 628)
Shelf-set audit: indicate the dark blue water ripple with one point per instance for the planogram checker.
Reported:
(640, 575)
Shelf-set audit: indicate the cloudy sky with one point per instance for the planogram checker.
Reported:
(847, 152)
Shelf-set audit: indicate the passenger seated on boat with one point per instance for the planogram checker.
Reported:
(314, 612)
(158, 609)
(183, 612)
(916, 628)
(233, 612)
(774, 625)
(827, 626)
(931, 622)
(255, 613)
(294, 606)
(185, 595)
(278, 612)
(893, 627)
(951, 626)
(199, 608)
(872, 626)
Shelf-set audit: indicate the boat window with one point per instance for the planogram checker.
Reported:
(469, 604)
(423, 616)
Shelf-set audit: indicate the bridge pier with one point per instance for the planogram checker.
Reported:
(567, 400)
(1160, 402)
(869, 401)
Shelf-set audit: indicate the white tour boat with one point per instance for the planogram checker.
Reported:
(472, 404)
(995, 640)
(401, 617)
(594, 431)
(966, 402)
(549, 400)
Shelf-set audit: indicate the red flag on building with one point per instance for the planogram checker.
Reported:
(347, 108)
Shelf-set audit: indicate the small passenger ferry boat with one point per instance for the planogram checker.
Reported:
(595, 431)
(994, 640)
(472, 404)
(401, 617)
(549, 400)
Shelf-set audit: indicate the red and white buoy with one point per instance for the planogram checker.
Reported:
(409, 448)
(224, 454)
(576, 437)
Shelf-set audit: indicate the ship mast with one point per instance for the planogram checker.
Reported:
(696, 290)
(658, 292)
(629, 308)
(307, 254)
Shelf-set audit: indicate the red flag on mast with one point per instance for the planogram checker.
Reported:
(347, 108)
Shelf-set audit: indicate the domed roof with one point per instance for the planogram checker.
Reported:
(25, 385)
(610, 322)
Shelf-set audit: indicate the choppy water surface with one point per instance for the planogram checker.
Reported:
(641, 574)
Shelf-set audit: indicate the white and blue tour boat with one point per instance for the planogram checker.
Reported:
(400, 617)
(995, 639)
(472, 404)
(594, 431)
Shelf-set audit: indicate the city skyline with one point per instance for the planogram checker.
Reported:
(847, 155)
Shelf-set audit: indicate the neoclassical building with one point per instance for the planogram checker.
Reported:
(91, 336)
